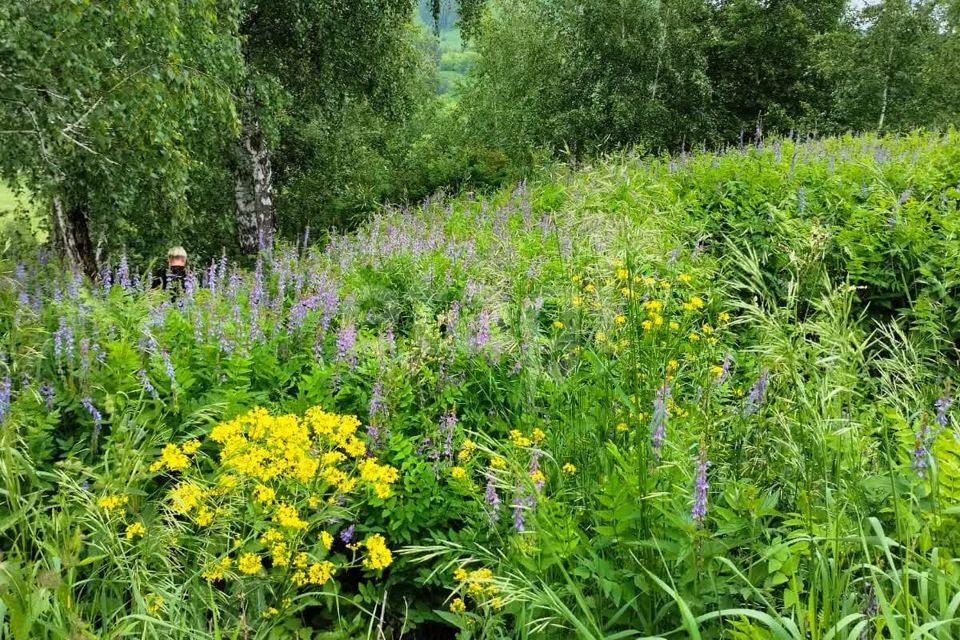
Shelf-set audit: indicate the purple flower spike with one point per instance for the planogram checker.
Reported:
(48, 394)
(346, 341)
(492, 500)
(518, 519)
(757, 394)
(942, 406)
(658, 426)
(701, 487)
(5, 386)
(94, 413)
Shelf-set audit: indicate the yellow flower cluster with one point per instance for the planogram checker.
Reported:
(326, 539)
(218, 570)
(283, 464)
(154, 603)
(378, 555)
(317, 574)
(185, 497)
(675, 410)
(286, 516)
(174, 458)
(249, 563)
(113, 503)
(466, 450)
(569, 469)
(380, 476)
(479, 585)
(520, 440)
(134, 530)
(694, 304)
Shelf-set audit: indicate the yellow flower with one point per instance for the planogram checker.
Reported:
(672, 365)
(575, 279)
(625, 292)
(674, 325)
(458, 605)
(378, 555)
(460, 574)
(326, 539)
(684, 277)
(287, 516)
(621, 427)
(664, 284)
(716, 370)
(227, 482)
(270, 537)
(313, 501)
(569, 469)
(249, 563)
(538, 436)
(218, 570)
(620, 320)
(204, 516)
(576, 301)
(320, 572)
(154, 603)
(696, 302)
(707, 329)
(458, 473)
(589, 288)
(537, 477)
(496, 602)
(694, 337)
(113, 503)
(647, 325)
(497, 462)
(171, 458)
(723, 317)
(466, 450)
(557, 325)
(134, 530)
(185, 497)
(190, 446)
(601, 337)
(622, 274)
(381, 476)
(270, 612)
(519, 439)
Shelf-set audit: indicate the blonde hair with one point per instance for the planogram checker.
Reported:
(177, 252)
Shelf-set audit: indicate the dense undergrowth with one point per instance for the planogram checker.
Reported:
(706, 396)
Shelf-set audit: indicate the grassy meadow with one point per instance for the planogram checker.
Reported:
(700, 396)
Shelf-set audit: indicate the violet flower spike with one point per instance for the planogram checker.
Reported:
(658, 427)
(921, 451)
(701, 487)
(5, 386)
(94, 413)
(492, 499)
(48, 394)
(942, 406)
(757, 393)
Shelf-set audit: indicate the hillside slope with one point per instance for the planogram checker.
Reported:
(700, 396)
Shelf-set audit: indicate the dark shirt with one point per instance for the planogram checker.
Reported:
(170, 279)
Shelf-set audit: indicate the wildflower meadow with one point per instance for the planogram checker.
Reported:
(705, 395)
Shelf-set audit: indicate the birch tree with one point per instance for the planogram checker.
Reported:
(105, 106)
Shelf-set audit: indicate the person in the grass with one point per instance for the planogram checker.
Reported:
(172, 277)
